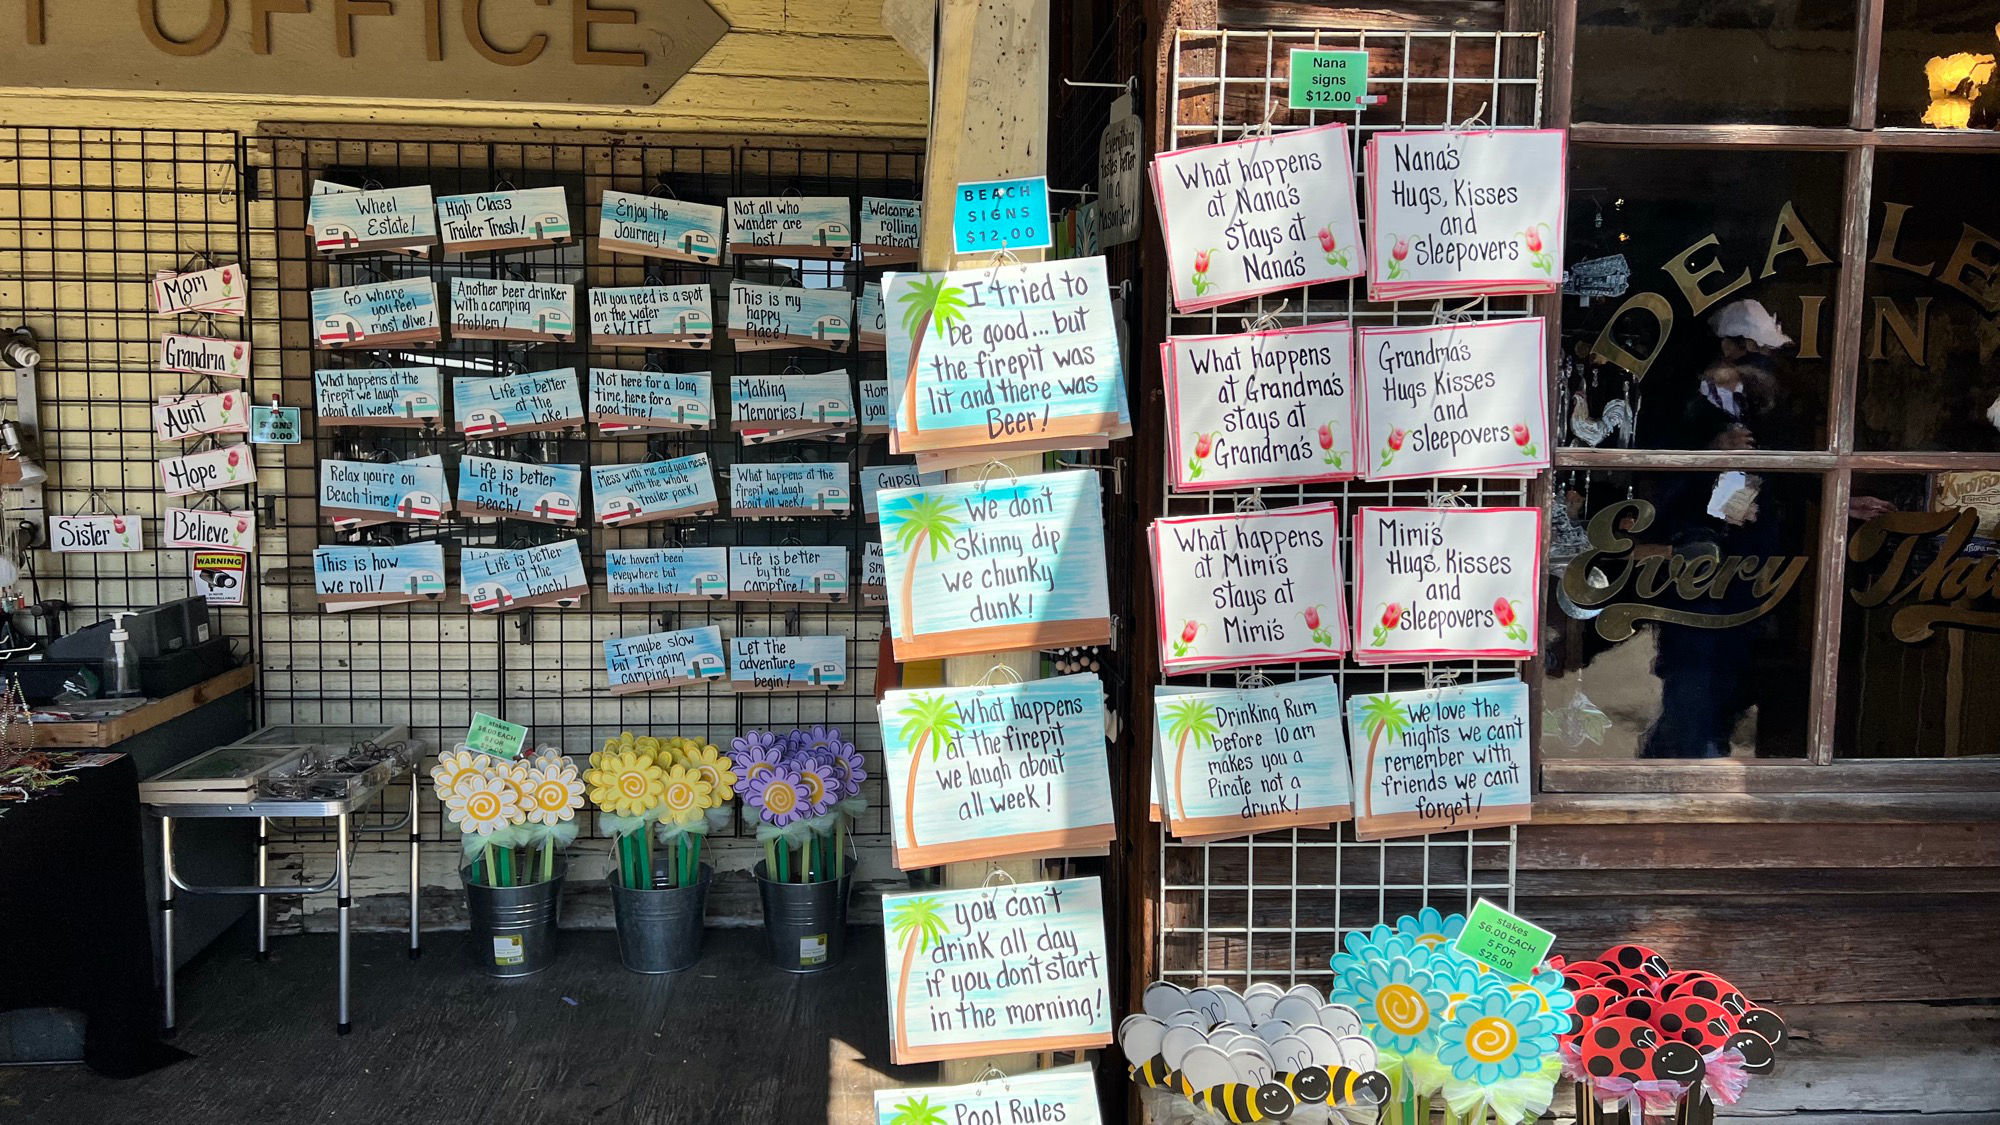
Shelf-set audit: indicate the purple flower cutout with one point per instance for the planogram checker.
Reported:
(820, 789)
(851, 771)
(778, 795)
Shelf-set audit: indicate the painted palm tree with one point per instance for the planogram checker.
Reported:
(1191, 719)
(927, 721)
(917, 924)
(917, 1111)
(922, 520)
(933, 304)
(1384, 718)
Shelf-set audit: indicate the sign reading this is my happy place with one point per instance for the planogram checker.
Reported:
(667, 574)
(1457, 213)
(791, 226)
(1232, 761)
(205, 355)
(624, 401)
(355, 222)
(362, 493)
(1259, 408)
(491, 581)
(997, 770)
(654, 226)
(1248, 588)
(347, 578)
(764, 317)
(517, 404)
(658, 661)
(378, 396)
(994, 566)
(1454, 400)
(817, 663)
(1063, 1096)
(789, 488)
(652, 490)
(380, 314)
(890, 229)
(1017, 967)
(788, 574)
(500, 308)
(1254, 216)
(1432, 583)
(653, 316)
(504, 220)
(1440, 759)
(488, 486)
(97, 534)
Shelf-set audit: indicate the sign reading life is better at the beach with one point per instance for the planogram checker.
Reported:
(378, 396)
(1233, 761)
(1463, 213)
(994, 566)
(380, 314)
(997, 770)
(1063, 1096)
(655, 226)
(656, 661)
(346, 578)
(547, 493)
(1258, 215)
(1440, 759)
(491, 581)
(1454, 400)
(1019, 967)
(1431, 583)
(667, 574)
(1260, 407)
(1248, 588)
(1015, 356)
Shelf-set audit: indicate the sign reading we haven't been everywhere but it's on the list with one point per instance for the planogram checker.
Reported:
(667, 574)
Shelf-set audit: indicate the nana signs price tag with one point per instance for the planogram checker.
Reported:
(495, 736)
(1260, 407)
(1439, 760)
(1511, 945)
(1454, 400)
(1254, 588)
(658, 661)
(1327, 79)
(1231, 762)
(1433, 583)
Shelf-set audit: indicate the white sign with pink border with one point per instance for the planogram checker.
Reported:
(1454, 400)
(1248, 588)
(1433, 583)
(1260, 407)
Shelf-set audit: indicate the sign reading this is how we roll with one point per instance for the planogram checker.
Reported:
(1435, 583)
(1440, 759)
(1232, 761)
(1248, 588)
(349, 578)
(1259, 408)
(1454, 400)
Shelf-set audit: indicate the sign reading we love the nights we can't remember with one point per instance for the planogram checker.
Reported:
(1440, 759)
(1432, 583)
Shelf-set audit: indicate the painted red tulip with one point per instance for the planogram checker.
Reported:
(1396, 442)
(227, 274)
(1325, 436)
(1201, 260)
(1392, 615)
(242, 526)
(1401, 250)
(118, 525)
(1312, 617)
(234, 457)
(1533, 237)
(1326, 239)
(1188, 631)
(1202, 444)
(1503, 611)
(228, 401)
(237, 351)
(1520, 434)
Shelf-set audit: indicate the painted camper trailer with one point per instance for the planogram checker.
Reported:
(550, 225)
(831, 328)
(619, 509)
(699, 243)
(420, 505)
(428, 583)
(483, 423)
(829, 234)
(335, 236)
(490, 596)
(340, 328)
(556, 506)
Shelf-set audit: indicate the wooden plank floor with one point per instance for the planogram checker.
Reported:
(731, 1039)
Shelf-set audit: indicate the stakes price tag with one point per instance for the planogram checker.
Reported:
(495, 736)
(1512, 946)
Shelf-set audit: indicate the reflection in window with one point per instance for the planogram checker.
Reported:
(1681, 607)
(1938, 64)
(1773, 62)
(1698, 303)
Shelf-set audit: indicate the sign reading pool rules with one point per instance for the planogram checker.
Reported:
(989, 216)
(1454, 400)
(1328, 79)
(661, 661)
(1260, 408)
(1437, 583)
(1439, 759)
(1233, 761)
(1062, 1096)
(1457, 213)
(1248, 588)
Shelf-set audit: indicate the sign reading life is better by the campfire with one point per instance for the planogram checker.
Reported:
(1019, 967)
(1249, 588)
(993, 566)
(1233, 761)
(1258, 215)
(1440, 759)
(1464, 213)
(1260, 407)
(997, 770)
(1454, 400)
(1432, 583)
(1017, 356)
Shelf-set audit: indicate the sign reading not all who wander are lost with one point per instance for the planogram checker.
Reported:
(791, 226)
(660, 661)
(1232, 761)
(1440, 759)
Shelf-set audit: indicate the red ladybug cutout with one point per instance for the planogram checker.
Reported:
(1758, 1058)
(1621, 985)
(1582, 974)
(1632, 958)
(1765, 1023)
(1674, 981)
(1708, 986)
(1678, 1062)
(1642, 1008)
(1588, 1007)
(1636, 984)
(1618, 1047)
(1701, 1024)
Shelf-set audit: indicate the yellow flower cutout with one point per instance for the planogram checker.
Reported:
(555, 792)
(483, 806)
(684, 795)
(457, 768)
(626, 782)
(717, 770)
(516, 775)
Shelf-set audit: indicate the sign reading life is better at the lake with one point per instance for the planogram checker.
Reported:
(1248, 588)
(1019, 967)
(656, 661)
(500, 308)
(653, 490)
(1020, 355)
(1258, 215)
(380, 314)
(654, 226)
(623, 401)
(488, 486)
(997, 770)
(1233, 761)
(1454, 400)
(1260, 407)
(517, 404)
(363, 493)
(994, 566)
(653, 316)
(667, 574)
(1063, 1096)
(491, 581)
(1432, 583)
(994, 215)
(346, 578)
(1463, 213)
(1440, 759)
(378, 396)
(794, 664)
(504, 220)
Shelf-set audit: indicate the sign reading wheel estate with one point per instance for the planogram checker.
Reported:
(583, 52)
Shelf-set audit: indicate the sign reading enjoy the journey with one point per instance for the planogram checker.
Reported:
(1016, 967)
(764, 317)
(380, 314)
(1254, 216)
(504, 220)
(654, 226)
(1259, 408)
(791, 226)
(994, 566)
(657, 661)
(1454, 400)
(228, 466)
(363, 493)
(191, 416)
(1454, 213)
(890, 230)
(500, 308)
(653, 316)
(998, 770)
(1433, 583)
(1233, 761)
(817, 663)
(1248, 588)
(624, 401)
(667, 574)
(488, 486)
(675, 488)
(96, 535)
(788, 574)
(206, 527)
(356, 222)
(532, 402)
(346, 578)
(491, 581)
(789, 488)
(378, 396)
(205, 355)
(1439, 760)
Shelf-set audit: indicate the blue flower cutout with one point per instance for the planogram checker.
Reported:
(1365, 947)
(1459, 977)
(1397, 1000)
(1431, 927)
(1551, 998)
(1495, 1036)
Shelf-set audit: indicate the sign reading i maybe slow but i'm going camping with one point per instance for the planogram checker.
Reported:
(660, 661)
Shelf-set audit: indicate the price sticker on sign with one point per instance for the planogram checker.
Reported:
(1328, 79)
(1512, 946)
(994, 215)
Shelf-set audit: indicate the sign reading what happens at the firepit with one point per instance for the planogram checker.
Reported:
(378, 396)
(789, 488)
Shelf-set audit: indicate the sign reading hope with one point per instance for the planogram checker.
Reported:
(1441, 759)
(1254, 588)
(1260, 407)
(1455, 400)
(1432, 583)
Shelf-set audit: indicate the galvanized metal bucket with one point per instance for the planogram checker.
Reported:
(513, 928)
(805, 923)
(659, 930)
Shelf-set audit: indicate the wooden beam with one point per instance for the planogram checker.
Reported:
(109, 732)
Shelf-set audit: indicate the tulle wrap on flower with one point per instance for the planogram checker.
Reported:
(1572, 1061)
(1426, 1074)
(1725, 1077)
(1651, 1096)
(1523, 1097)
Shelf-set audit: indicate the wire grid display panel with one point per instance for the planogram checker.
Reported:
(1273, 906)
(86, 217)
(433, 666)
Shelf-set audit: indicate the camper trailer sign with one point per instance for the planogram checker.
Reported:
(797, 664)
(653, 316)
(504, 220)
(500, 308)
(361, 493)
(890, 229)
(356, 222)
(658, 661)
(493, 581)
(652, 490)
(789, 488)
(788, 574)
(488, 486)
(791, 226)
(623, 401)
(381, 314)
(346, 578)
(654, 226)
(378, 396)
(668, 574)
(517, 404)
(766, 317)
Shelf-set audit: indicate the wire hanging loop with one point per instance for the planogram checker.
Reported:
(1440, 677)
(1004, 257)
(987, 680)
(1267, 320)
(1478, 118)
(1452, 498)
(1248, 681)
(1460, 315)
(1251, 503)
(986, 474)
(996, 877)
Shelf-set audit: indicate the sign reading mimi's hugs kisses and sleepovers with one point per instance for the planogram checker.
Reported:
(1440, 759)
(1258, 408)
(1454, 400)
(660, 661)
(1236, 589)
(675, 488)
(531, 402)
(379, 314)
(653, 316)
(546, 493)
(504, 220)
(667, 574)
(378, 396)
(623, 401)
(1435, 583)
(363, 493)
(502, 308)
(656, 226)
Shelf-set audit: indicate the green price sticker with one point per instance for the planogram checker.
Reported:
(497, 737)
(1328, 79)
(1513, 947)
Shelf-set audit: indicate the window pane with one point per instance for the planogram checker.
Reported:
(1919, 650)
(1659, 648)
(1937, 64)
(1699, 301)
(1773, 62)
(1929, 376)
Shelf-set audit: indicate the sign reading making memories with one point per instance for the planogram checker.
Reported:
(998, 770)
(667, 574)
(791, 226)
(499, 308)
(653, 316)
(655, 226)
(1457, 213)
(623, 401)
(532, 402)
(380, 314)
(1233, 761)
(504, 220)
(1454, 400)
(1248, 588)
(1258, 408)
(358, 222)
(378, 396)
(1434, 583)
(648, 491)
(1440, 760)
(767, 317)
(488, 486)
(787, 664)
(661, 661)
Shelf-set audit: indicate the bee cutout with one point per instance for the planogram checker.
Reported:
(1236, 1086)
(1141, 1037)
(1357, 1087)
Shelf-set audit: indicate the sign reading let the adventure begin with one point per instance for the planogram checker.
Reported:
(1019, 967)
(205, 355)
(997, 770)
(95, 534)
(653, 226)
(1022, 356)
(1260, 407)
(520, 490)
(378, 396)
(787, 663)
(1462, 214)
(994, 566)
(361, 493)
(356, 222)
(1439, 760)
(381, 314)
(346, 578)
(653, 316)
(504, 220)
(764, 317)
(652, 490)
(1248, 588)
(789, 488)
(658, 661)
(517, 404)
(890, 229)
(491, 581)
(788, 574)
(1258, 215)
(624, 401)
(1454, 400)
(1230, 762)
(499, 308)
(791, 226)
(667, 574)
(1431, 583)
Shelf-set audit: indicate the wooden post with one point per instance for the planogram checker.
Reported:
(989, 120)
